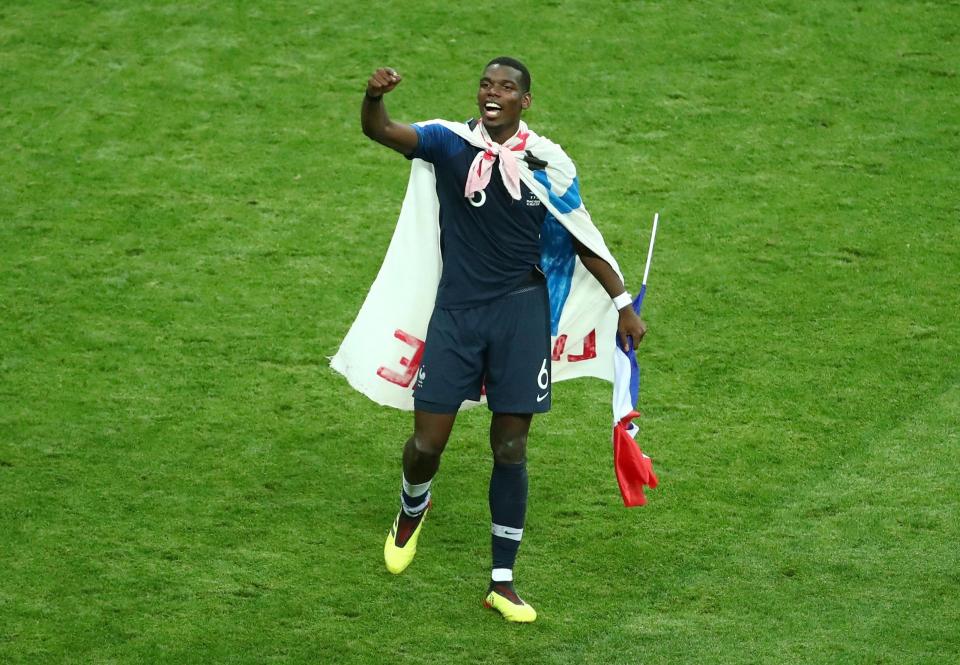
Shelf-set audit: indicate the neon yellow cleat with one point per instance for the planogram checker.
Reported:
(505, 600)
(398, 556)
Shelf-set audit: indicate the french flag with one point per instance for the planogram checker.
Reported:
(634, 469)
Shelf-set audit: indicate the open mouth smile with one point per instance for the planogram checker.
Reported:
(492, 110)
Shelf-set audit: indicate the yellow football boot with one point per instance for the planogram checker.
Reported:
(398, 557)
(505, 600)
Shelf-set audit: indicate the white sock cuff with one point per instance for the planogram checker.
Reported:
(501, 575)
(506, 532)
(413, 491)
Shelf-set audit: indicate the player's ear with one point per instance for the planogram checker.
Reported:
(525, 101)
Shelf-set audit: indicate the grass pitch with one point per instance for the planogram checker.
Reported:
(189, 220)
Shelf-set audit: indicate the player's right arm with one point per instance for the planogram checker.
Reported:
(373, 114)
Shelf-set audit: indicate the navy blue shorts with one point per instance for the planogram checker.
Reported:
(502, 347)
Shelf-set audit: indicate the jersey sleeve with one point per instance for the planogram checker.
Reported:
(435, 143)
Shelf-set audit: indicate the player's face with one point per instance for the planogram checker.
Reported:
(501, 99)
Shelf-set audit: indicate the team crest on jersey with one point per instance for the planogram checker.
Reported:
(421, 376)
(533, 201)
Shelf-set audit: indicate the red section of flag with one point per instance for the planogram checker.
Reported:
(633, 468)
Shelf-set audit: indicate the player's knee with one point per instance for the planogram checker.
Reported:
(427, 444)
(510, 451)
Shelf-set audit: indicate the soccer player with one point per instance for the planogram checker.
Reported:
(491, 321)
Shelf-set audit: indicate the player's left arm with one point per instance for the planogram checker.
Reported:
(630, 325)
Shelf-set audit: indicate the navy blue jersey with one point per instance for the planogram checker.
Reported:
(490, 243)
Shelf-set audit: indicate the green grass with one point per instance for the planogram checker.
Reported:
(190, 218)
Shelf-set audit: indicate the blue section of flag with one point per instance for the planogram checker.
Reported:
(557, 256)
(557, 259)
(566, 202)
(638, 301)
(634, 367)
(634, 378)
(632, 353)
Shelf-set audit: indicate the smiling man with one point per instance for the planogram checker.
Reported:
(491, 323)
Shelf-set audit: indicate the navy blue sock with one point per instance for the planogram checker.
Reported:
(508, 510)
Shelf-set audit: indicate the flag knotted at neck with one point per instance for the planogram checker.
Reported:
(478, 176)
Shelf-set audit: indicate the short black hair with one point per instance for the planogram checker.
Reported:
(516, 64)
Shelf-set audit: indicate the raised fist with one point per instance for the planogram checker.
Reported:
(383, 81)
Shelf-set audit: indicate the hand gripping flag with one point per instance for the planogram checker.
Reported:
(634, 469)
